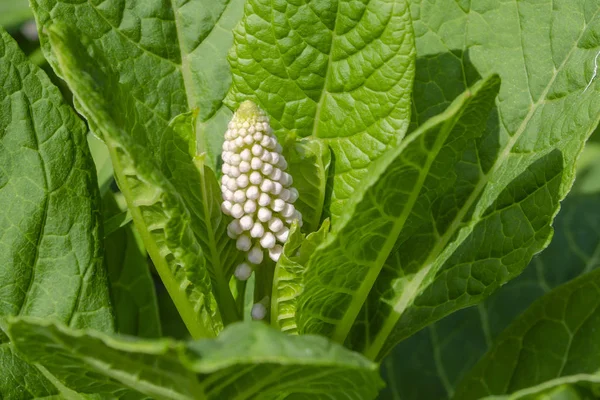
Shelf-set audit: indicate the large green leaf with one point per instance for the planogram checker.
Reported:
(337, 70)
(151, 182)
(169, 55)
(51, 251)
(183, 228)
(554, 342)
(400, 188)
(463, 243)
(430, 363)
(246, 361)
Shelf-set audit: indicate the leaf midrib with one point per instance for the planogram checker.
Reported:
(409, 295)
(345, 324)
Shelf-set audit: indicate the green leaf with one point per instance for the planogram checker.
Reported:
(50, 249)
(170, 56)
(14, 12)
(103, 164)
(248, 360)
(398, 192)
(432, 362)
(553, 342)
(288, 275)
(531, 141)
(131, 285)
(308, 162)
(337, 70)
(148, 177)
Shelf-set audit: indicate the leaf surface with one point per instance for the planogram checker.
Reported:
(432, 362)
(147, 180)
(401, 186)
(336, 70)
(247, 361)
(51, 254)
(553, 342)
(476, 236)
(169, 55)
(309, 162)
(131, 285)
(289, 274)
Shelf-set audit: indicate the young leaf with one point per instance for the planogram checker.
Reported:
(131, 285)
(248, 360)
(337, 70)
(171, 56)
(148, 175)
(552, 343)
(392, 210)
(308, 162)
(51, 249)
(289, 271)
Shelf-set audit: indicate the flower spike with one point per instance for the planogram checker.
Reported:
(257, 190)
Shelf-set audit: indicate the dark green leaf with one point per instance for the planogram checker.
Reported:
(430, 363)
(131, 285)
(399, 189)
(50, 249)
(554, 342)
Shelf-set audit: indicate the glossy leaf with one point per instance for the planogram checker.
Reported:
(51, 255)
(337, 70)
(248, 360)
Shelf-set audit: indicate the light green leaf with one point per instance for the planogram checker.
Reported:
(308, 162)
(103, 164)
(400, 189)
(432, 362)
(131, 285)
(170, 56)
(50, 248)
(148, 177)
(337, 70)
(545, 111)
(14, 12)
(288, 276)
(555, 341)
(246, 361)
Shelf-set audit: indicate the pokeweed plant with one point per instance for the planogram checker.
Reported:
(347, 172)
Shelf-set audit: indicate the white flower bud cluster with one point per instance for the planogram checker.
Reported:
(257, 192)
